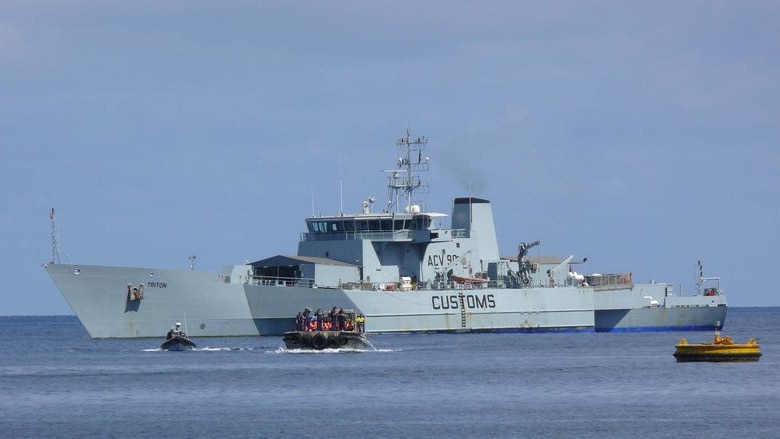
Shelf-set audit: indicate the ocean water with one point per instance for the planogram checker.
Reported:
(57, 382)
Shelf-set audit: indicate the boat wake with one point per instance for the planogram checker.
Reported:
(222, 349)
(284, 350)
(367, 347)
(206, 349)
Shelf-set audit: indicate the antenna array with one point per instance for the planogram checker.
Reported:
(404, 181)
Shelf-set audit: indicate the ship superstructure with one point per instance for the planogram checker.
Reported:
(399, 267)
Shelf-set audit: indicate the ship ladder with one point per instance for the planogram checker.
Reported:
(462, 310)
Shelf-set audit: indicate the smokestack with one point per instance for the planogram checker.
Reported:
(475, 215)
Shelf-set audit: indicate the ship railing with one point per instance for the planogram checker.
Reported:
(459, 233)
(684, 290)
(609, 281)
(496, 284)
(277, 281)
(281, 281)
(373, 235)
(399, 235)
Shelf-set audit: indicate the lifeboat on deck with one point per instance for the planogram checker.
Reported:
(463, 280)
(721, 349)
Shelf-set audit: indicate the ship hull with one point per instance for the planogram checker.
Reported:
(661, 319)
(212, 306)
(98, 296)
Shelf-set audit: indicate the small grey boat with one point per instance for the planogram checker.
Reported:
(177, 340)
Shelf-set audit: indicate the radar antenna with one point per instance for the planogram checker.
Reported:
(404, 181)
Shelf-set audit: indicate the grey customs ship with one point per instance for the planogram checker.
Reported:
(399, 268)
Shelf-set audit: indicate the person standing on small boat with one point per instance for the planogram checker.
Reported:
(342, 320)
(334, 323)
(306, 319)
(361, 323)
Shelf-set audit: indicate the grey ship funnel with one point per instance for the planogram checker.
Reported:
(475, 216)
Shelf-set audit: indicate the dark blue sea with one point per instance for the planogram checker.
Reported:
(57, 382)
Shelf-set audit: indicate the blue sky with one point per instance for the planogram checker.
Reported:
(642, 135)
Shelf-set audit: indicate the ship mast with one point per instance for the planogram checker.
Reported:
(699, 276)
(404, 181)
(701, 279)
(55, 244)
(55, 254)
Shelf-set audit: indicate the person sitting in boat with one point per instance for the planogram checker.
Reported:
(176, 331)
(314, 323)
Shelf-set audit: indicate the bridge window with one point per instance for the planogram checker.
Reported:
(421, 222)
(318, 226)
